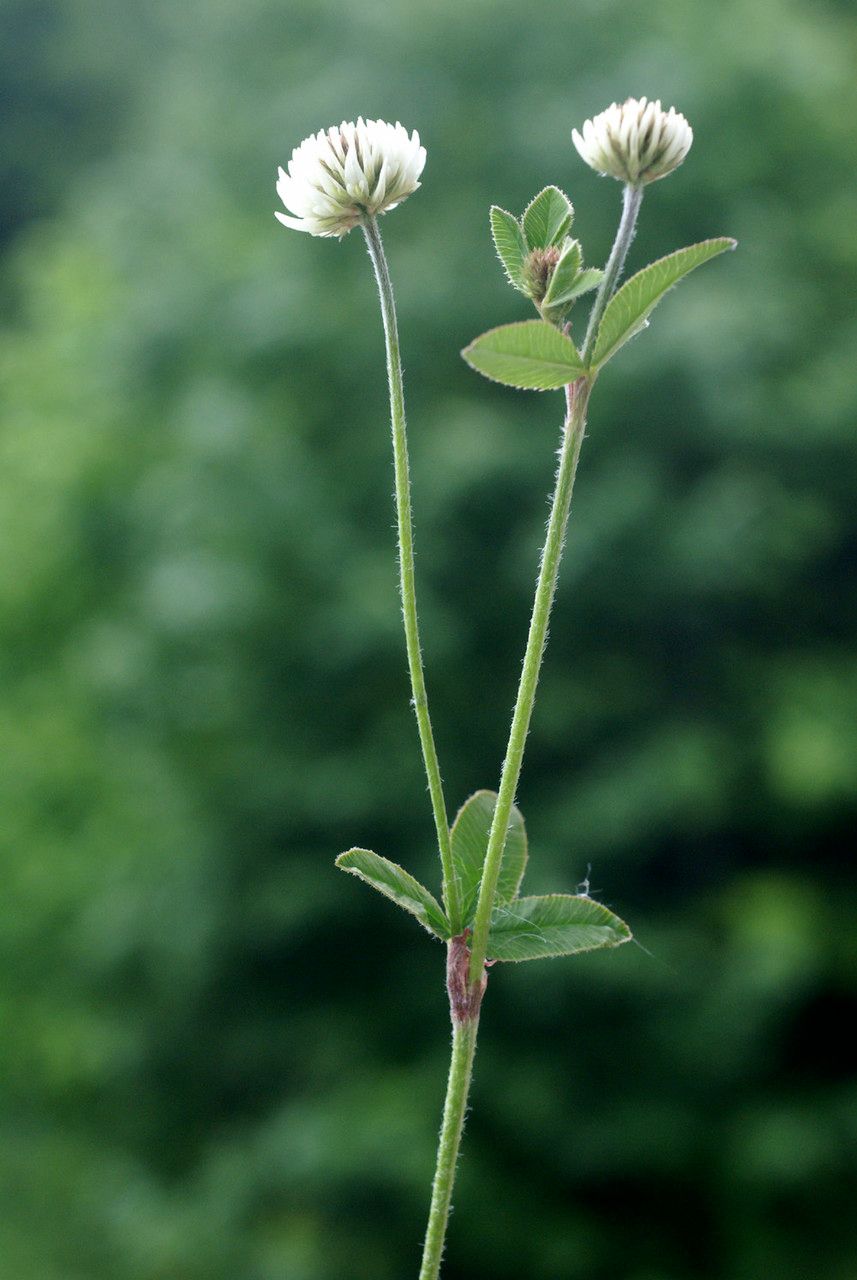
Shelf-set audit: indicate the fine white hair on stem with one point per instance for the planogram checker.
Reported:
(636, 142)
(341, 175)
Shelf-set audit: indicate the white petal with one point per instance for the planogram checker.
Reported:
(295, 223)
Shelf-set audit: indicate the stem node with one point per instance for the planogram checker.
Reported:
(465, 997)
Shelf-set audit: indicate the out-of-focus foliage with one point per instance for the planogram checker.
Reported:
(221, 1059)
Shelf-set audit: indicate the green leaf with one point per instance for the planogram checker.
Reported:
(560, 924)
(470, 841)
(398, 885)
(547, 218)
(565, 272)
(582, 283)
(531, 354)
(510, 244)
(588, 279)
(629, 308)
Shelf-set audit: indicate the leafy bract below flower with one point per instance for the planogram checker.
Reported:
(636, 142)
(340, 175)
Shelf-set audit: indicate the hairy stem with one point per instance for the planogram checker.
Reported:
(577, 396)
(464, 1006)
(632, 198)
(407, 586)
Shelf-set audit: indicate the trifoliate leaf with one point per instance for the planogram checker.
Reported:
(560, 924)
(628, 309)
(547, 218)
(531, 355)
(469, 837)
(510, 244)
(398, 885)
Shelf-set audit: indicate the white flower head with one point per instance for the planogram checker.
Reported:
(636, 142)
(341, 174)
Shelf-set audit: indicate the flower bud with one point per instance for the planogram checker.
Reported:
(636, 142)
(538, 268)
(340, 175)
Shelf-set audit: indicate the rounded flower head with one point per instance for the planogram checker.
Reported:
(340, 174)
(636, 142)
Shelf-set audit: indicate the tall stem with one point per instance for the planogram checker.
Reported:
(632, 198)
(407, 586)
(577, 397)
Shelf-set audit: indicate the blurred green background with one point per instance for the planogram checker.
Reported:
(220, 1059)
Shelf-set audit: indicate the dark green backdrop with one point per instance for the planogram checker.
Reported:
(220, 1059)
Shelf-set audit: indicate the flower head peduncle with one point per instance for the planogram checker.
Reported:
(637, 142)
(341, 175)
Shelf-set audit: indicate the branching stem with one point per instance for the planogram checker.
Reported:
(466, 967)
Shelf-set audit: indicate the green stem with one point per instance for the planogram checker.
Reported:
(451, 895)
(632, 198)
(458, 1086)
(577, 395)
